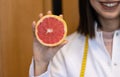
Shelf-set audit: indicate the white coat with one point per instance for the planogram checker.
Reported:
(67, 62)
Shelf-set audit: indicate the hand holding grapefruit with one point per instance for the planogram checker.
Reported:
(43, 51)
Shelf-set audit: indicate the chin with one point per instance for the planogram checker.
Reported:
(111, 16)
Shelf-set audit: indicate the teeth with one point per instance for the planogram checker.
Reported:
(110, 4)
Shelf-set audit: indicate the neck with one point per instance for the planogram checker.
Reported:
(110, 25)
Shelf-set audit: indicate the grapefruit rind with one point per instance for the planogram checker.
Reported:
(59, 19)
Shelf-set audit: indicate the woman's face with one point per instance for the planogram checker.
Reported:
(108, 9)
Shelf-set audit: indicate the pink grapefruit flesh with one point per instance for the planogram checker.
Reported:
(51, 30)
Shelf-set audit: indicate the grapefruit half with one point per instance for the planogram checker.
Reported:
(51, 30)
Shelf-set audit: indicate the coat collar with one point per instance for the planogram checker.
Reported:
(98, 32)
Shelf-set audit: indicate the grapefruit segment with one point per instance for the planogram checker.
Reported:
(51, 30)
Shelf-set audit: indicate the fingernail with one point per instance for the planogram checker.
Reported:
(65, 42)
(49, 12)
(61, 15)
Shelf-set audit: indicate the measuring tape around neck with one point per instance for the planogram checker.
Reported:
(84, 60)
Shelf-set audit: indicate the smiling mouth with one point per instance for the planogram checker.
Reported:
(110, 4)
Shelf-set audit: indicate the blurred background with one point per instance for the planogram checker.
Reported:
(16, 17)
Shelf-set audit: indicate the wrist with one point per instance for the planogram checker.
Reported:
(40, 67)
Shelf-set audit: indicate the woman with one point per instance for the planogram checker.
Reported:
(92, 51)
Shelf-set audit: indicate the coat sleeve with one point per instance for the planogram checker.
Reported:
(56, 67)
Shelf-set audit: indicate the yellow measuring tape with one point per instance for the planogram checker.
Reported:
(84, 60)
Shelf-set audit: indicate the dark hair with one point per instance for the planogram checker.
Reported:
(88, 17)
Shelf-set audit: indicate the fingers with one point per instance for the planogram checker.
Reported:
(49, 12)
(65, 42)
(41, 14)
(33, 28)
(61, 15)
(61, 45)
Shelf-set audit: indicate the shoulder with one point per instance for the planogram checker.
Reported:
(75, 44)
(75, 39)
(74, 36)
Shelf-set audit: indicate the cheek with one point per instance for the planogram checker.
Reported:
(93, 2)
(95, 5)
